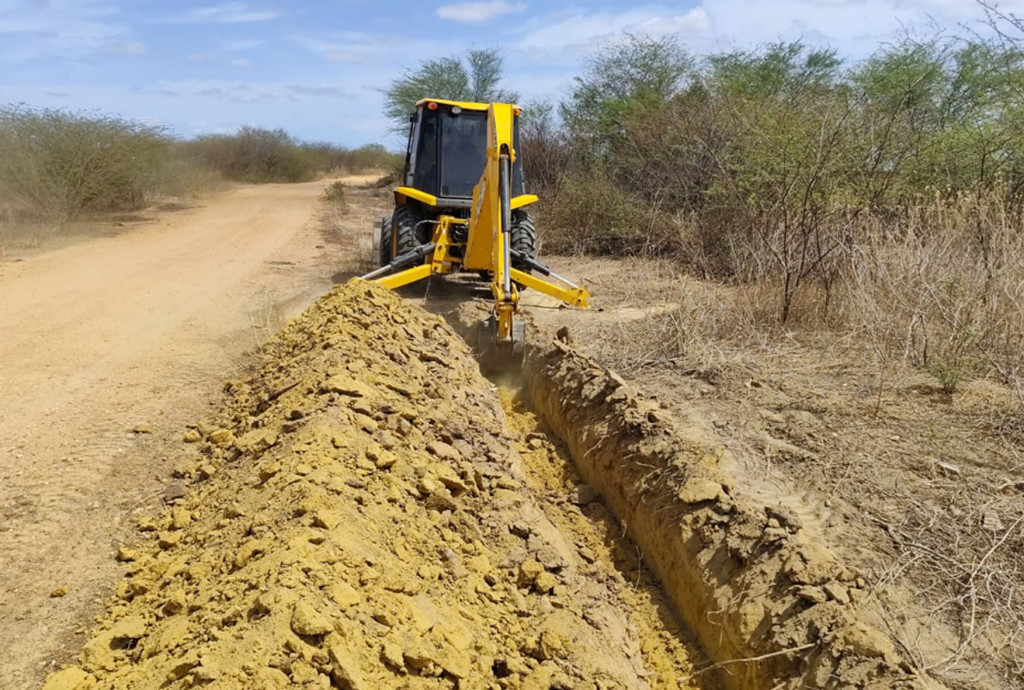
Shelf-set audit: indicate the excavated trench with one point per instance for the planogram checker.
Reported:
(769, 604)
(369, 512)
(755, 588)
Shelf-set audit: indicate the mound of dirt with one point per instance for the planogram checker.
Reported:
(767, 599)
(358, 519)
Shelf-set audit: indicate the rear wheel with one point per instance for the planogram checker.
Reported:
(408, 230)
(384, 250)
(523, 238)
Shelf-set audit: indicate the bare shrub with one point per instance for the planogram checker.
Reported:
(546, 149)
(258, 155)
(56, 165)
(177, 174)
(592, 215)
(370, 157)
(334, 194)
(944, 287)
(254, 155)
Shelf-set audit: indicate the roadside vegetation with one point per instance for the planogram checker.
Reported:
(261, 155)
(58, 167)
(883, 196)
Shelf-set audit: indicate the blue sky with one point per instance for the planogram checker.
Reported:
(315, 67)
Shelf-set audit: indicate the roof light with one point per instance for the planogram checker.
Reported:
(517, 111)
(431, 106)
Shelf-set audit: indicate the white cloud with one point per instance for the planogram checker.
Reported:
(117, 47)
(241, 45)
(58, 28)
(226, 13)
(240, 62)
(854, 27)
(478, 12)
(235, 92)
(350, 47)
(319, 91)
(586, 28)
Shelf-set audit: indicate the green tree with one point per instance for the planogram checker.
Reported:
(778, 69)
(476, 78)
(639, 74)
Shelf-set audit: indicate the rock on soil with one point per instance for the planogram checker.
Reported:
(761, 591)
(355, 522)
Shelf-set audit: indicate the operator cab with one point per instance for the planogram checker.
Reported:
(445, 160)
(447, 151)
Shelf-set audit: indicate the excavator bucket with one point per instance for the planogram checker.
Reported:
(498, 356)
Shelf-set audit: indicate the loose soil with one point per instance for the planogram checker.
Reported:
(109, 347)
(367, 511)
(361, 519)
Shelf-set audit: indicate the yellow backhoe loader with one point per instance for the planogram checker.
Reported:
(462, 207)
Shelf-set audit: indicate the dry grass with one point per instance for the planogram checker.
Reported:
(919, 482)
(940, 288)
(351, 209)
(661, 316)
(945, 292)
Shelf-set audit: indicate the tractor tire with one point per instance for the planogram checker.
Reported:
(523, 237)
(384, 249)
(407, 229)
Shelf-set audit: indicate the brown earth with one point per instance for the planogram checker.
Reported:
(108, 347)
(349, 525)
(361, 519)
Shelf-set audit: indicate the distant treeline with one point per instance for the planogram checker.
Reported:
(56, 165)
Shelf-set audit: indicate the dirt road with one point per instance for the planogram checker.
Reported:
(108, 348)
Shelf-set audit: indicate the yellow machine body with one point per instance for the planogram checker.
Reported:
(481, 241)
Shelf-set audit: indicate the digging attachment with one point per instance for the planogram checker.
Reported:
(498, 356)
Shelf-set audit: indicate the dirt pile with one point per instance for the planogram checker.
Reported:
(671, 652)
(359, 520)
(771, 605)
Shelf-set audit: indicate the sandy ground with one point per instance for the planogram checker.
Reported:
(331, 536)
(107, 349)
